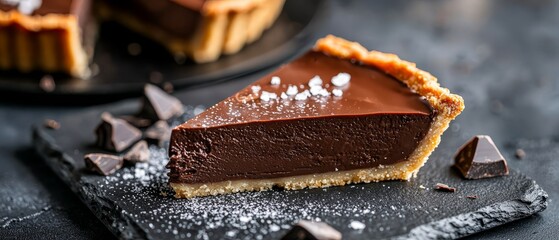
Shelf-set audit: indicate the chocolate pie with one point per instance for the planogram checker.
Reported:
(47, 35)
(340, 114)
(198, 29)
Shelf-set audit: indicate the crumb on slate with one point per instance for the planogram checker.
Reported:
(520, 153)
(47, 83)
(444, 188)
(51, 124)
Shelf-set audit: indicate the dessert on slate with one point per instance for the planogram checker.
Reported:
(199, 29)
(480, 158)
(337, 115)
(47, 35)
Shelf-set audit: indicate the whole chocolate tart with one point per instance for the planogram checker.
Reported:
(337, 115)
(47, 35)
(201, 30)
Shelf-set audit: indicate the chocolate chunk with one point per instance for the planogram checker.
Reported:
(116, 134)
(445, 188)
(480, 158)
(52, 124)
(520, 154)
(159, 133)
(305, 230)
(158, 105)
(138, 153)
(104, 164)
(136, 121)
(47, 83)
(472, 197)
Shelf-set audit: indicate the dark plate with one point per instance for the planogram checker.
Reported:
(135, 203)
(121, 75)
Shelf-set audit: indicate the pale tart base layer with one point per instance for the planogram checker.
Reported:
(322, 180)
(446, 105)
(226, 27)
(50, 43)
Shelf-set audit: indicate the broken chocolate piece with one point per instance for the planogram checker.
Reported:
(305, 230)
(160, 132)
(520, 154)
(116, 134)
(104, 164)
(445, 188)
(136, 121)
(52, 124)
(138, 153)
(158, 105)
(472, 197)
(480, 158)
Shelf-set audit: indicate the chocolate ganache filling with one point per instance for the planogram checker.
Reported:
(376, 120)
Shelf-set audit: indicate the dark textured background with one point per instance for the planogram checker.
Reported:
(502, 56)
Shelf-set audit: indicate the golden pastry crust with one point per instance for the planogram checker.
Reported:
(446, 105)
(36, 43)
(321, 180)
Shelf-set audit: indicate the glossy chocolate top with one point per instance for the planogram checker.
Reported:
(44, 7)
(369, 91)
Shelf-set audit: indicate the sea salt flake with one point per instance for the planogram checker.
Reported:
(275, 80)
(255, 88)
(324, 93)
(357, 225)
(301, 96)
(315, 90)
(292, 90)
(267, 96)
(341, 79)
(315, 81)
(337, 92)
(25, 7)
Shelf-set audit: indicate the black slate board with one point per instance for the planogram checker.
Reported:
(135, 202)
(292, 31)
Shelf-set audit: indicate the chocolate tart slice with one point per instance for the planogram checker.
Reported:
(199, 29)
(337, 115)
(47, 35)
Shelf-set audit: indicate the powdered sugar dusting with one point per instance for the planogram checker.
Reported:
(357, 225)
